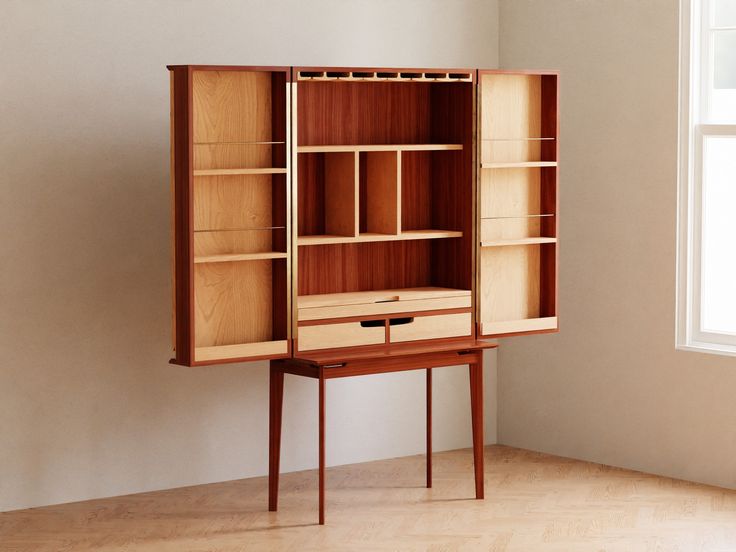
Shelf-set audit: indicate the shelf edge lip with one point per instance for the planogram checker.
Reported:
(404, 236)
(519, 165)
(329, 148)
(236, 257)
(527, 241)
(234, 172)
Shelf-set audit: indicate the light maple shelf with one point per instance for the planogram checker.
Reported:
(247, 143)
(521, 241)
(230, 257)
(226, 172)
(537, 139)
(518, 165)
(378, 147)
(375, 237)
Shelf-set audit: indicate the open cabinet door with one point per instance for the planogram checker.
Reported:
(517, 202)
(230, 213)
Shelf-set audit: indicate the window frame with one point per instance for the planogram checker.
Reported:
(695, 126)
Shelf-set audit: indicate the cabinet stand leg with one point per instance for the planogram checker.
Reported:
(321, 448)
(476, 409)
(276, 401)
(429, 428)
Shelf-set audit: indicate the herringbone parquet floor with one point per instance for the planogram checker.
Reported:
(534, 502)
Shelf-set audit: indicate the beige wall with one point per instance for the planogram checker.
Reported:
(610, 387)
(89, 406)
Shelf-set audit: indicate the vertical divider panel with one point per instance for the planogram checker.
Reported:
(292, 131)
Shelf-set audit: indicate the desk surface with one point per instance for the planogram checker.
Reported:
(393, 352)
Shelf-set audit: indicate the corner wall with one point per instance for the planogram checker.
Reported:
(610, 387)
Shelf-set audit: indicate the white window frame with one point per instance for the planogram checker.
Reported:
(696, 46)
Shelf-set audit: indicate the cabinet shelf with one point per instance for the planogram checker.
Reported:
(522, 241)
(378, 147)
(226, 172)
(540, 139)
(521, 165)
(530, 216)
(374, 237)
(231, 257)
(237, 143)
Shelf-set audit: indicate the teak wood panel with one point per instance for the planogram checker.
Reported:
(370, 266)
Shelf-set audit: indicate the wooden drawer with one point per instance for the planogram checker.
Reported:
(379, 302)
(432, 327)
(347, 334)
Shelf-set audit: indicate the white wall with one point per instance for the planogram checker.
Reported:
(610, 387)
(89, 406)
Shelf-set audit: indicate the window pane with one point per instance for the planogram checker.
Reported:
(724, 59)
(718, 284)
(723, 93)
(724, 13)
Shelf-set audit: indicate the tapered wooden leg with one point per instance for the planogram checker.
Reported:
(276, 401)
(476, 410)
(429, 428)
(321, 449)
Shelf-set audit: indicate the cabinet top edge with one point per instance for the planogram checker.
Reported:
(553, 72)
(272, 68)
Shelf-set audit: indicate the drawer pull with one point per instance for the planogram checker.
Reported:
(400, 321)
(337, 365)
(372, 323)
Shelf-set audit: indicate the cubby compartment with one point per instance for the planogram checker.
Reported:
(328, 194)
(239, 217)
(518, 120)
(517, 205)
(518, 291)
(240, 309)
(238, 122)
(429, 191)
(379, 199)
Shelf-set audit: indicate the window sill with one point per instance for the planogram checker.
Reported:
(709, 348)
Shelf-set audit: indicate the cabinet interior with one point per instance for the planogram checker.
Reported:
(384, 186)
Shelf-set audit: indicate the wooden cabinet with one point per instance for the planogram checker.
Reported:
(318, 209)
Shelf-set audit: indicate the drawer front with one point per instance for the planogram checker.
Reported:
(390, 307)
(433, 327)
(348, 334)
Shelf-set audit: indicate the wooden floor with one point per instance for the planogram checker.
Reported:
(534, 502)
